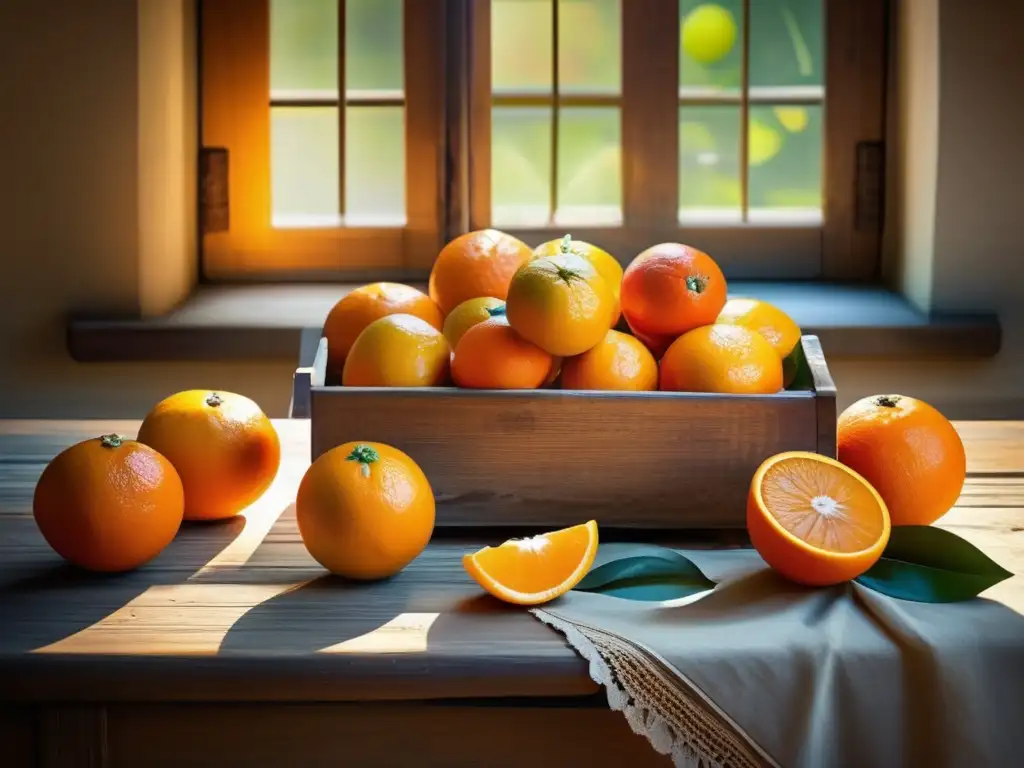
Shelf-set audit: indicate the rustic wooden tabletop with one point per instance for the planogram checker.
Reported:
(238, 611)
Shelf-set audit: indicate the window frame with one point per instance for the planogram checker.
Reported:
(448, 110)
(235, 115)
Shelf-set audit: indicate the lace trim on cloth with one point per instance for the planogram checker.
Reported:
(688, 728)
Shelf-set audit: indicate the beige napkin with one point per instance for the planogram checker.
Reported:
(762, 672)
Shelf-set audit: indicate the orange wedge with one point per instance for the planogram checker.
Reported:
(814, 520)
(535, 570)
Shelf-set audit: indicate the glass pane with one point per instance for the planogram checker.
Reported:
(786, 42)
(303, 45)
(709, 164)
(304, 166)
(711, 41)
(521, 42)
(589, 46)
(375, 166)
(785, 151)
(520, 165)
(373, 44)
(589, 166)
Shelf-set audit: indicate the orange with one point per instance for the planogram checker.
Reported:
(908, 451)
(469, 313)
(535, 570)
(475, 264)
(607, 266)
(398, 351)
(670, 289)
(814, 520)
(771, 322)
(108, 504)
(560, 303)
(358, 309)
(364, 510)
(618, 362)
(223, 446)
(721, 358)
(490, 355)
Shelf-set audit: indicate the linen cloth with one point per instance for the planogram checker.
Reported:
(763, 672)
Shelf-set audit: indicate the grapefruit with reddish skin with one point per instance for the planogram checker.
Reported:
(670, 289)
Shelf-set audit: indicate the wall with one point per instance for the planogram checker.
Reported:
(92, 151)
(953, 237)
(76, 86)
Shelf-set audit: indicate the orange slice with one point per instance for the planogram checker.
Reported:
(815, 520)
(538, 569)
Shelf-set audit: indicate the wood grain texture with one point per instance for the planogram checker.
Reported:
(239, 611)
(825, 396)
(666, 460)
(662, 460)
(375, 735)
(73, 737)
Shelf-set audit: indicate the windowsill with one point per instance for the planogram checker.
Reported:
(274, 322)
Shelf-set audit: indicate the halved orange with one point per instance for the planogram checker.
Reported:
(814, 520)
(538, 569)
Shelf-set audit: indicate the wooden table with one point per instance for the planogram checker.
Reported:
(234, 648)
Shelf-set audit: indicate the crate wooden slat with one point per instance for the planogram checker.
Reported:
(666, 460)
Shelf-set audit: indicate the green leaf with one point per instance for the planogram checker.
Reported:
(931, 565)
(643, 572)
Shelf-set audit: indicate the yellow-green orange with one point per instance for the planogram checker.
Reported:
(606, 265)
(560, 303)
(776, 326)
(469, 313)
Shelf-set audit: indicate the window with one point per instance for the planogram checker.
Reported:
(363, 134)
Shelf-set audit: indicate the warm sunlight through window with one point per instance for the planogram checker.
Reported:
(772, 172)
(556, 145)
(357, 137)
(332, 166)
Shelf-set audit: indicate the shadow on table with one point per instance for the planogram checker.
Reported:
(44, 599)
(432, 603)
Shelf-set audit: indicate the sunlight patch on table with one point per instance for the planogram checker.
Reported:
(176, 619)
(406, 633)
(259, 519)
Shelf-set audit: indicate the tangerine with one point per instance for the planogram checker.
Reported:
(491, 355)
(224, 447)
(908, 451)
(721, 358)
(617, 362)
(398, 351)
(108, 504)
(475, 264)
(362, 306)
(364, 510)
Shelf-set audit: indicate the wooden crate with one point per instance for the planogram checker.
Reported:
(666, 460)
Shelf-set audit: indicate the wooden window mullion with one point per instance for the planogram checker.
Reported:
(650, 117)
(479, 113)
(423, 27)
